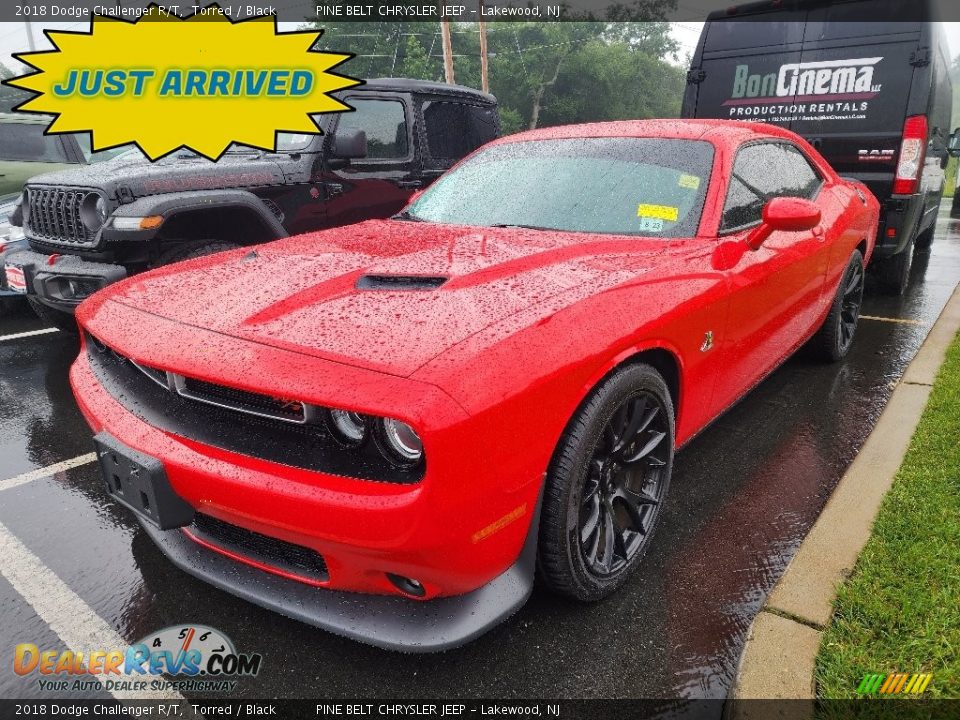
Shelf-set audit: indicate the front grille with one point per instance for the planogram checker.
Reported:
(154, 396)
(54, 216)
(241, 400)
(290, 558)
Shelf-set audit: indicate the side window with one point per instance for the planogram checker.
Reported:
(26, 142)
(798, 177)
(385, 123)
(763, 171)
(457, 129)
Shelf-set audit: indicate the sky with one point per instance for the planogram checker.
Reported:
(13, 36)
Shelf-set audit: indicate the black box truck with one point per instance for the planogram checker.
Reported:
(865, 81)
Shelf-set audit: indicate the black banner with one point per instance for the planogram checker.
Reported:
(485, 709)
(71, 11)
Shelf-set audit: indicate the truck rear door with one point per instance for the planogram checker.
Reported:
(854, 84)
(738, 76)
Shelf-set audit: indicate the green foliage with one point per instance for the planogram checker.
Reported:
(543, 73)
(417, 63)
(899, 610)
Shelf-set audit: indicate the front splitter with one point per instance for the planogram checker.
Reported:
(389, 622)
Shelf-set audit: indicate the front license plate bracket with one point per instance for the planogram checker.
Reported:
(139, 482)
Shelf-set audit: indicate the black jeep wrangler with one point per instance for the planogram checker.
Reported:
(94, 225)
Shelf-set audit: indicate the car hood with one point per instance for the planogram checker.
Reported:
(174, 173)
(307, 293)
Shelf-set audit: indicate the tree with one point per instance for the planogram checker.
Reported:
(417, 63)
(543, 73)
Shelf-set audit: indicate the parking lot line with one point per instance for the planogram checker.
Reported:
(905, 321)
(47, 471)
(75, 622)
(31, 333)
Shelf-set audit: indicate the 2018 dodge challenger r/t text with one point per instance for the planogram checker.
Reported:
(384, 429)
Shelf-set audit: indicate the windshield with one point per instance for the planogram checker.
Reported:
(83, 140)
(625, 186)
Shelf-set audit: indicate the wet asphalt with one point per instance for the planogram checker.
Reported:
(744, 494)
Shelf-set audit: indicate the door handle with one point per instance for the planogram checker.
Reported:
(410, 184)
(818, 232)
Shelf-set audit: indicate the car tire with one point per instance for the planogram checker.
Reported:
(835, 337)
(63, 321)
(925, 239)
(606, 485)
(179, 253)
(893, 273)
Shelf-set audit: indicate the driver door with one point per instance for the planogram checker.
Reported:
(380, 184)
(776, 290)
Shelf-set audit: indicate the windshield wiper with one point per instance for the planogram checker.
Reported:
(408, 216)
(521, 226)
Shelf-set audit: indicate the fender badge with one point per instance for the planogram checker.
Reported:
(707, 341)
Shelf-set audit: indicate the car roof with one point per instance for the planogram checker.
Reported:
(425, 86)
(24, 119)
(729, 131)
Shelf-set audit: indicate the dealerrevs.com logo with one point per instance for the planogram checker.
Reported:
(199, 658)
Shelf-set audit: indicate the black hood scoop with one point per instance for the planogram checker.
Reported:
(400, 282)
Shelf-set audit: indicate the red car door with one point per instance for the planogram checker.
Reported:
(776, 291)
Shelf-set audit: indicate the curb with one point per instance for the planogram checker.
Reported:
(781, 646)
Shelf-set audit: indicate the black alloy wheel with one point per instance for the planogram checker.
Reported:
(850, 303)
(606, 485)
(623, 492)
(835, 337)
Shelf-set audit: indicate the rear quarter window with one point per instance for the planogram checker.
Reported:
(454, 130)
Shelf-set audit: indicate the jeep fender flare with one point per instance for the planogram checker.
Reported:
(169, 205)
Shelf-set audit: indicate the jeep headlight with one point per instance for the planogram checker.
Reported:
(93, 211)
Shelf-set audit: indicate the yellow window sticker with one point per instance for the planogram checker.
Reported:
(663, 212)
(691, 182)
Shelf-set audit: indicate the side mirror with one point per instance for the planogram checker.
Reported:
(953, 145)
(349, 145)
(790, 214)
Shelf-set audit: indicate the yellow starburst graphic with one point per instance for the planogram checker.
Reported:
(166, 82)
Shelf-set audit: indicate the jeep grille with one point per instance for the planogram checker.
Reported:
(54, 216)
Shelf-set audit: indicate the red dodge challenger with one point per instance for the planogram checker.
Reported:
(383, 429)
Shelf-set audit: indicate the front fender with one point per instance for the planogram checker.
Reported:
(167, 205)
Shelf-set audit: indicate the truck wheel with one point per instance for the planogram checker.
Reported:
(925, 239)
(193, 250)
(835, 337)
(893, 273)
(63, 321)
(606, 485)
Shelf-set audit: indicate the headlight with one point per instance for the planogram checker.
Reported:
(399, 442)
(93, 211)
(350, 428)
(101, 208)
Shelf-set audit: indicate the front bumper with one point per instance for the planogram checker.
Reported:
(445, 531)
(393, 623)
(63, 281)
